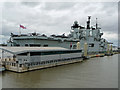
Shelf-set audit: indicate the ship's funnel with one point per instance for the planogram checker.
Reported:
(88, 22)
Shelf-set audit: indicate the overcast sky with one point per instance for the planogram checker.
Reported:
(57, 17)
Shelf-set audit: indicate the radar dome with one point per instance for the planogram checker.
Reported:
(75, 22)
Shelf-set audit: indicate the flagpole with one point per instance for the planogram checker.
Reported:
(19, 30)
(21, 26)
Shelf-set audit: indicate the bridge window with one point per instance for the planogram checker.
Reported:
(45, 45)
(35, 45)
(26, 44)
(17, 45)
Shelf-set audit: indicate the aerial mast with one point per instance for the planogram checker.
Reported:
(96, 24)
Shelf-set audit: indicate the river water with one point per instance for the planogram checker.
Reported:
(99, 72)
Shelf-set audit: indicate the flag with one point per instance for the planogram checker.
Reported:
(21, 26)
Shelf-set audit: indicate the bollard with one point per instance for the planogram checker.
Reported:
(78, 45)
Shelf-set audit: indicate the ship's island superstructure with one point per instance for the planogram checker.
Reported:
(34, 51)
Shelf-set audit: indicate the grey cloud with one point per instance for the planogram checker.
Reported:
(110, 7)
(6, 30)
(59, 5)
(30, 4)
(9, 4)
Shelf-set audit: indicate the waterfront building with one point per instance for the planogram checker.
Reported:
(30, 58)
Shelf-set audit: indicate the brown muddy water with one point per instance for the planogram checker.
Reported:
(99, 72)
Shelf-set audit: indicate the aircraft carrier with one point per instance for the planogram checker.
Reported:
(25, 52)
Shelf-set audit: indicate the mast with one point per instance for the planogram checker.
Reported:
(96, 24)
